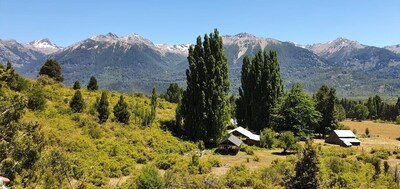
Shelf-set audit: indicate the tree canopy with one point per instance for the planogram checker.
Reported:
(92, 85)
(260, 92)
(297, 112)
(52, 69)
(205, 106)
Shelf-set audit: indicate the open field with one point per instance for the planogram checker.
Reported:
(382, 135)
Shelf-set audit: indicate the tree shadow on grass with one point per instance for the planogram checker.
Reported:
(283, 153)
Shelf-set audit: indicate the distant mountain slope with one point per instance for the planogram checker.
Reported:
(393, 48)
(133, 63)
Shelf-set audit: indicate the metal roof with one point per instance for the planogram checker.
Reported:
(246, 133)
(345, 133)
(233, 139)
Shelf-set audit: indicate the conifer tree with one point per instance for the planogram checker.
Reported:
(77, 85)
(205, 106)
(325, 103)
(92, 85)
(121, 111)
(174, 93)
(306, 170)
(260, 92)
(77, 104)
(52, 69)
(153, 104)
(102, 108)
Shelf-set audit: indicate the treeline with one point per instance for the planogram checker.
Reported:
(374, 108)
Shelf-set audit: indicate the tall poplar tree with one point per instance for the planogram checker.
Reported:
(260, 92)
(205, 108)
(325, 104)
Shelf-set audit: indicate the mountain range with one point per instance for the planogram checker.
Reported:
(132, 63)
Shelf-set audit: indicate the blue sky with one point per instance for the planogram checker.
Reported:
(370, 22)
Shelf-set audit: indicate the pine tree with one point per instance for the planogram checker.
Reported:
(205, 106)
(153, 104)
(260, 92)
(77, 104)
(52, 69)
(77, 85)
(325, 103)
(121, 111)
(92, 86)
(9, 66)
(306, 170)
(174, 93)
(102, 108)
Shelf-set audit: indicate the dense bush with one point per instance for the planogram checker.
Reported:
(149, 177)
(36, 100)
(238, 176)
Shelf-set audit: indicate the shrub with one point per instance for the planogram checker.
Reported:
(36, 100)
(398, 119)
(256, 158)
(267, 138)
(238, 176)
(287, 141)
(149, 177)
(214, 162)
(381, 153)
(367, 132)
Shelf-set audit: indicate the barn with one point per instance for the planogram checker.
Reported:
(344, 138)
(248, 137)
(230, 145)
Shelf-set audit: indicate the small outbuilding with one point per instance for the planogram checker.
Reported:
(230, 145)
(344, 138)
(249, 137)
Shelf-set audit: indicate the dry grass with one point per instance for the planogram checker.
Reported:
(381, 130)
(265, 159)
(382, 135)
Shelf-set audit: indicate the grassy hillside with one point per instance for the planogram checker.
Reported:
(78, 152)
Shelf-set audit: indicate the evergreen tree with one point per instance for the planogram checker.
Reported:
(52, 69)
(9, 66)
(260, 92)
(297, 113)
(306, 170)
(205, 106)
(325, 104)
(121, 111)
(174, 93)
(398, 106)
(36, 100)
(92, 86)
(102, 108)
(77, 104)
(77, 85)
(153, 104)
